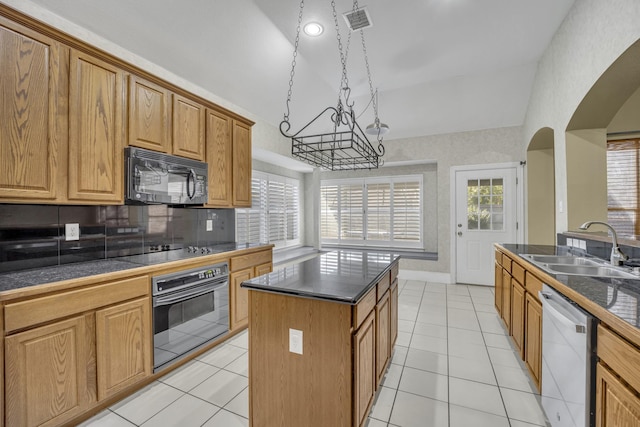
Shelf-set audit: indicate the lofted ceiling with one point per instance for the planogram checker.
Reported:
(440, 66)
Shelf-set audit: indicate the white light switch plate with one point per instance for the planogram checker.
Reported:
(209, 225)
(72, 232)
(295, 341)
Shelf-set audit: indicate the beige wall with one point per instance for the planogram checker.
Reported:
(540, 197)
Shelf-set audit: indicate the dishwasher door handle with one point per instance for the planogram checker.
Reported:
(560, 314)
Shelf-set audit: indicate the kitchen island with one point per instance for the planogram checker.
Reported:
(321, 334)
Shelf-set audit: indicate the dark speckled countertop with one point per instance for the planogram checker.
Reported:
(44, 275)
(342, 276)
(620, 297)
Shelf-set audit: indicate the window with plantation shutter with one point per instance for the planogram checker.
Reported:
(380, 211)
(623, 185)
(274, 216)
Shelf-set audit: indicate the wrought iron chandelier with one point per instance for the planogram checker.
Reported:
(345, 146)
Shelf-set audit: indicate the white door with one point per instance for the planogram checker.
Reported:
(486, 202)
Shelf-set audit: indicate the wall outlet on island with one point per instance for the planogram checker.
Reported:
(209, 225)
(295, 341)
(71, 232)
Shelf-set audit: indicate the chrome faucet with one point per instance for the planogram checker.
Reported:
(617, 257)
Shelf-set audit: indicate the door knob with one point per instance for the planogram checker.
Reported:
(459, 233)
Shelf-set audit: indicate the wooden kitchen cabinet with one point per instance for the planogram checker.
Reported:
(61, 363)
(364, 370)
(497, 287)
(383, 335)
(33, 113)
(394, 312)
(244, 267)
(219, 156)
(123, 345)
(533, 339)
(96, 131)
(506, 299)
(517, 315)
(50, 373)
(188, 128)
(616, 404)
(149, 115)
(241, 164)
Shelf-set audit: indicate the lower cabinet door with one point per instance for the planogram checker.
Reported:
(48, 373)
(394, 313)
(498, 287)
(239, 299)
(517, 316)
(263, 269)
(383, 335)
(616, 405)
(506, 299)
(364, 372)
(123, 345)
(533, 338)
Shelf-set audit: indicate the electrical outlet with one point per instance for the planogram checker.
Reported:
(295, 341)
(71, 232)
(209, 225)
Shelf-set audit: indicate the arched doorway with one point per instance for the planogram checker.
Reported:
(541, 218)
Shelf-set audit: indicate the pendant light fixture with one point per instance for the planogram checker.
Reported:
(344, 145)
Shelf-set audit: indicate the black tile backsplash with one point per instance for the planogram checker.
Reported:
(33, 235)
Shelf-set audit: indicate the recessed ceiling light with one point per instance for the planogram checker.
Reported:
(313, 29)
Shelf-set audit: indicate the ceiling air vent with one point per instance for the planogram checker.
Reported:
(358, 19)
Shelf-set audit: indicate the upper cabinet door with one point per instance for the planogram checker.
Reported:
(33, 132)
(188, 128)
(149, 115)
(241, 164)
(96, 117)
(219, 159)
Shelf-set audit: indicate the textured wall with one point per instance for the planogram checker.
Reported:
(594, 34)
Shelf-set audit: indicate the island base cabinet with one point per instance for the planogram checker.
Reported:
(383, 336)
(49, 371)
(533, 339)
(616, 405)
(364, 344)
(123, 346)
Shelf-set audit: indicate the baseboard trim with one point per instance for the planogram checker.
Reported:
(427, 276)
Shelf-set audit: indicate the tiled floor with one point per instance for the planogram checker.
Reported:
(453, 366)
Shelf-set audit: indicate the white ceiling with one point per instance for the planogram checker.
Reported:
(441, 66)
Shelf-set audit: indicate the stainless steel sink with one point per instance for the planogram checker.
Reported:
(563, 259)
(578, 265)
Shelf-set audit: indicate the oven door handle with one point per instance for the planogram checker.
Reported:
(186, 294)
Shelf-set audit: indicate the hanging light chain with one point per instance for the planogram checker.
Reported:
(344, 83)
(293, 61)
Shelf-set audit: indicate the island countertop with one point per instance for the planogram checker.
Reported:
(342, 276)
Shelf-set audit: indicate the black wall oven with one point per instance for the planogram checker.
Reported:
(190, 308)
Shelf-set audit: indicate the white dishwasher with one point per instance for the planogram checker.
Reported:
(568, 361)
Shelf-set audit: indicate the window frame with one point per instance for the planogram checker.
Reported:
(365, 241)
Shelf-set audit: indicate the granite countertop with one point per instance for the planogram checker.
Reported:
(78, 270)
(620, 297)
(341, 276)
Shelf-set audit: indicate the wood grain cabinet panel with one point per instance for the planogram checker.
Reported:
(219, 147)
(517, 315)
(506, 299)
(383, 336)
(263, 269)
(34, 86)
(188, 128)
(149, 115)
(497, 288)
(239, 298)
(616, 405)
(533, 339)
(123, 345)
(394, 313)
(364, 370)
(48, 373)
(241, 164)
(96, 131)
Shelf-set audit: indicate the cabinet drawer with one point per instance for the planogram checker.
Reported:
(621, 356)
(533, 285)
(28, 313)
(394, 271)
(506, 263)
(245, 261)
(383, 285)
(364, 307)
(498, 257)
(517, 272)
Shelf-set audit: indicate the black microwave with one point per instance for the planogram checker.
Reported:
(157, 178)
